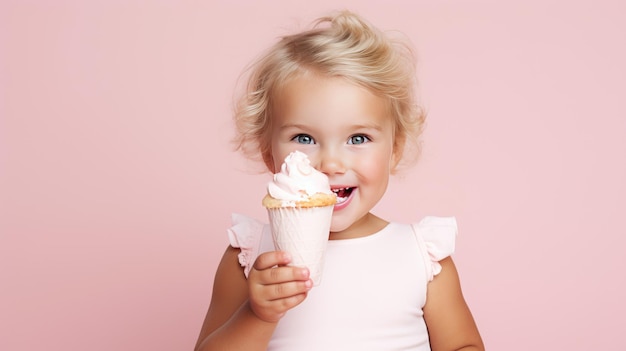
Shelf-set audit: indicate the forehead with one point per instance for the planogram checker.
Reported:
(318, 99)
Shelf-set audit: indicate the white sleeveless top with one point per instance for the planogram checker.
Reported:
(372, 290)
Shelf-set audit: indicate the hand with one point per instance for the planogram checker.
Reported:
(274, 288)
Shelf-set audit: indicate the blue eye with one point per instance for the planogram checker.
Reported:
(303, 139)
(358, 139)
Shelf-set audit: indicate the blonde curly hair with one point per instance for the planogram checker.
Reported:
(341, 45)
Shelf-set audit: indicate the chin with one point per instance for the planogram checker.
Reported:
(338, 226)
(334, 227)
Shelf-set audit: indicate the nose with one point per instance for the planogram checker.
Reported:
(331, 161)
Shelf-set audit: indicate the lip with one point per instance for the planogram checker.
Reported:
(344, 204)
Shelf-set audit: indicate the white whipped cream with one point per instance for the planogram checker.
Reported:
(297, 179)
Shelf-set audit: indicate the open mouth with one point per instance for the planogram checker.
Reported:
(343, 194)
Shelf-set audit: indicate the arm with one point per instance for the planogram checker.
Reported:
(448, 318)
(243, 313)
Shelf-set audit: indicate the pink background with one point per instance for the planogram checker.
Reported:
(117, 179)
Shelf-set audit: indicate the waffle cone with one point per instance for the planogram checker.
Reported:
(303, 232)
(316, 200)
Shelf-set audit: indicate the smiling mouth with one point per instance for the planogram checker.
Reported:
(342, 194)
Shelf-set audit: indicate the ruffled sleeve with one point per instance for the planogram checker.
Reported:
(436, 237)
(245, 234)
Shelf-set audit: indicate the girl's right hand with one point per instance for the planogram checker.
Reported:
(274, 288)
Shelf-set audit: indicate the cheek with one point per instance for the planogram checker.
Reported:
(372, 167)
(277, 160)
(375, 169)
(278, 156)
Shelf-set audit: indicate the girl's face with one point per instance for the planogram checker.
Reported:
(347, 133)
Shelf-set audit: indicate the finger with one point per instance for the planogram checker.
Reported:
(278, 275)
(291, 301)
(286, 292)
(282, 274)
(270, 259)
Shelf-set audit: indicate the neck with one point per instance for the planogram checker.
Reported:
(364, 226)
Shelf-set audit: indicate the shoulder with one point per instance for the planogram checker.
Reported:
(436, 238)
(246, 235)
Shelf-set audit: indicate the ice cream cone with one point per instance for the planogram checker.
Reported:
(300, 206)
(303, 232)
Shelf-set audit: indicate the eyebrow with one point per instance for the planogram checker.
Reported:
(374, 126)
(368, 126)
(294, 125)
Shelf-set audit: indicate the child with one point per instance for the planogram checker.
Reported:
(341, 92)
